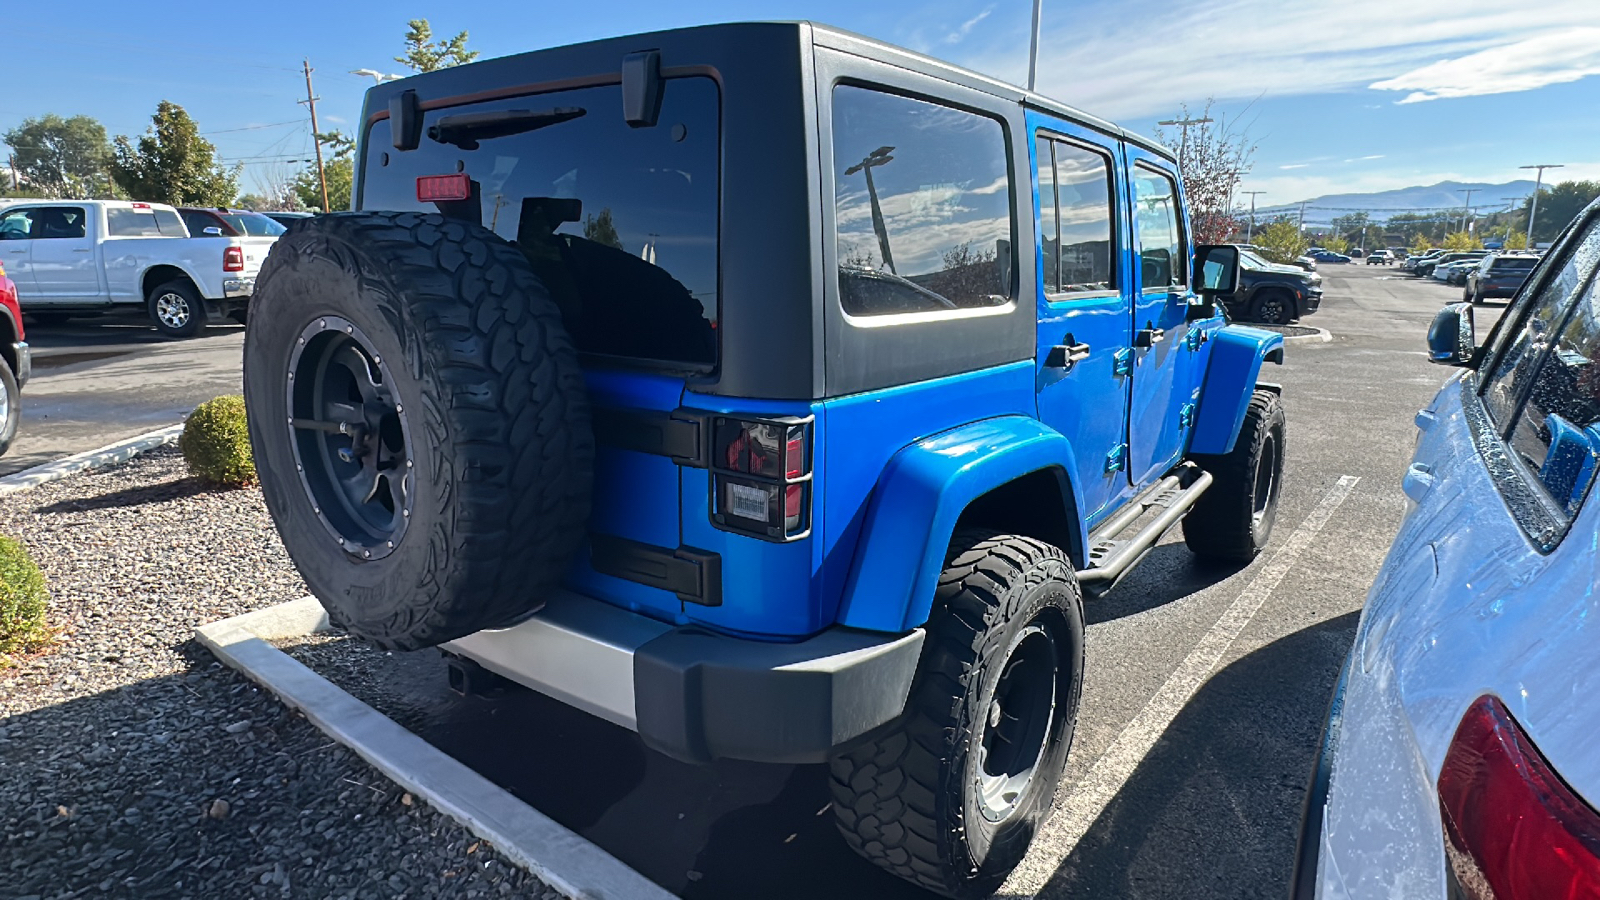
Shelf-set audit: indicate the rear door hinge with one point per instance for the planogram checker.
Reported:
(1186, 416)
(1122, 362)
(1197, 338)
(1117, 459)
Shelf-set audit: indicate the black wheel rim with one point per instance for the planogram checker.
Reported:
(1266, 480)
(1273, 311)
(1017, 727)
(351, 439)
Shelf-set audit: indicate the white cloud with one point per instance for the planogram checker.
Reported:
(965, 28)
(1295, 166)
(1554, 58)
(1142, 57)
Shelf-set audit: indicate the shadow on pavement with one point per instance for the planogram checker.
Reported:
(1214, 810)
(1167, 575)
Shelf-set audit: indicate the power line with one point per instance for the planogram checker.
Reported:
(255, 127)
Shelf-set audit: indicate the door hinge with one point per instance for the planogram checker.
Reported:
(1122, 362)
(1197, 338)
(1186, 416)
(1117, 459)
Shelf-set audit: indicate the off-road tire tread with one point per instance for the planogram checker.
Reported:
(1219, 527)
(505, 421)
(891, 802)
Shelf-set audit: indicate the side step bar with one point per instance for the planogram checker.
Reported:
(1110, 557)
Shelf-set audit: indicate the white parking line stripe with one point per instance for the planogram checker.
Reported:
(1111, 771)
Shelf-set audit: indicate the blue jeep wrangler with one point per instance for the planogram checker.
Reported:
(769, 391)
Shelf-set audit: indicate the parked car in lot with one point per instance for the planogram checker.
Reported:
(1459, 760)
(1379, 258)
(754, 476)
(287, 218)
(16, 361)
(1328, 256)
(1424, 268)
(1498, 275)
(1416, 259)
(1453, 272)
(220, 221)
(1272, 294)
(74, 257)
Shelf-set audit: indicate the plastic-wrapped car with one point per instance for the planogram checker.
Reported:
(1459, 760)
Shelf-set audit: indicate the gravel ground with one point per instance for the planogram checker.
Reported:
(132, 764)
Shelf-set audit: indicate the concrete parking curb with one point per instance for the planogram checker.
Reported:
(121, 451)
(1323, 336)
(560, 858)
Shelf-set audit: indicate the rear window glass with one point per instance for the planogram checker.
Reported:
(1515, 262)
(252, 224)
(922, 204)
(619, 223)
(129, 222)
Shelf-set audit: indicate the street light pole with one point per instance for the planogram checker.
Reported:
(1538, 181)
(1466, 208)
(1033, 48)
(874, 159)
(1250, 232)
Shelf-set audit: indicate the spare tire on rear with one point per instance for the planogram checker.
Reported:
(419, 422)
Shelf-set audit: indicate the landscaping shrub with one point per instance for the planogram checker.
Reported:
(216, 443)
(22, 599)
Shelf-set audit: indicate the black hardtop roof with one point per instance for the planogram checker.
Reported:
(824, 35)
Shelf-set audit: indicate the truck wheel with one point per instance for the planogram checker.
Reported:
(951, 797)
(176, 309)
(1274, 308)
(10, 407)
(1233, 518)
(419, 422)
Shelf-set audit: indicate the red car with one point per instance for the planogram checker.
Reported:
(16, 362)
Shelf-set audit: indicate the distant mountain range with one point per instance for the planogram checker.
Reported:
(1445, 195)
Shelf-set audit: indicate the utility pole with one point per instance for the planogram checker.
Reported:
(311, 101)
(13, 160)
(1183, 134)
(1466, 208)
(1033, 48)
(1303, 214)
(1250, 232)
(1538, 181)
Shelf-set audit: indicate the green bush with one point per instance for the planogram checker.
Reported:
(216, 443)
(22, 599)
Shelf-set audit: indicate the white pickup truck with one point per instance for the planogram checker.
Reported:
(76, 257)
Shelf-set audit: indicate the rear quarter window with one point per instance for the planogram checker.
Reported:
(127, 222)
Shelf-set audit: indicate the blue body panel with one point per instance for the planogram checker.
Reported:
(922, 493)
(1236, 356)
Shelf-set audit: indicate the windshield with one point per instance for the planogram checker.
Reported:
(252, 224)
(1251, 261)
(619, 223)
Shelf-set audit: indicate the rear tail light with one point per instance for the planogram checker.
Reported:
(233, 259)
(1513, 829)
(761, 476)
(432, 188)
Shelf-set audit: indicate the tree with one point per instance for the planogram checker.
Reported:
(1558, 205)
(173, 163)
(62, 158)
(340, 171)
(1420, 243)
(423, 54)
(600, 229)
(1281, 241)
(1516, 240)
(1461, 240)
(1337, 243)
(1212, 157)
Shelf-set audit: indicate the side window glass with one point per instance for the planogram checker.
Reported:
(17, 225)
(1557, 434)
(62, 222)
(922, 202)
(125, 222)
(1083, 184)
(1162, 261)
(1507, 381)
(198, 223)
(169, 223)
(1049, 221)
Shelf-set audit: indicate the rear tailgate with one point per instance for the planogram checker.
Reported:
(255, 253)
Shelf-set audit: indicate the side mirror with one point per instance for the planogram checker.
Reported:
(1216, 268)
(1452, 340)
(211, 231)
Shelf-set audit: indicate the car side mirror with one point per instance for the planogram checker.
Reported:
(1452, 340)
(211, 231)
(1216, 269)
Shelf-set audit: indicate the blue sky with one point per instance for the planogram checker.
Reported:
(1350, 96)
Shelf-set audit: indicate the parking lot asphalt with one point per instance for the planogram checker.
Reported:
(1204, 698)
(99, 380)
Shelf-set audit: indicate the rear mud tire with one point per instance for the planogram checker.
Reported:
(1233, 519)
(494, 412)
(914, 800)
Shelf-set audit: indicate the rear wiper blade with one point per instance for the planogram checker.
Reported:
(466, 129)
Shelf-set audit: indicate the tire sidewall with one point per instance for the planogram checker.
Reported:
(1050, 596)
(1283, 303)
(197, 310)
(305, 288)
(13, 400)
(1273, 430)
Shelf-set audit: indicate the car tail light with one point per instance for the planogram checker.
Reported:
(1513, 829)
(761, 476)
(233, 259)
(431, 188)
